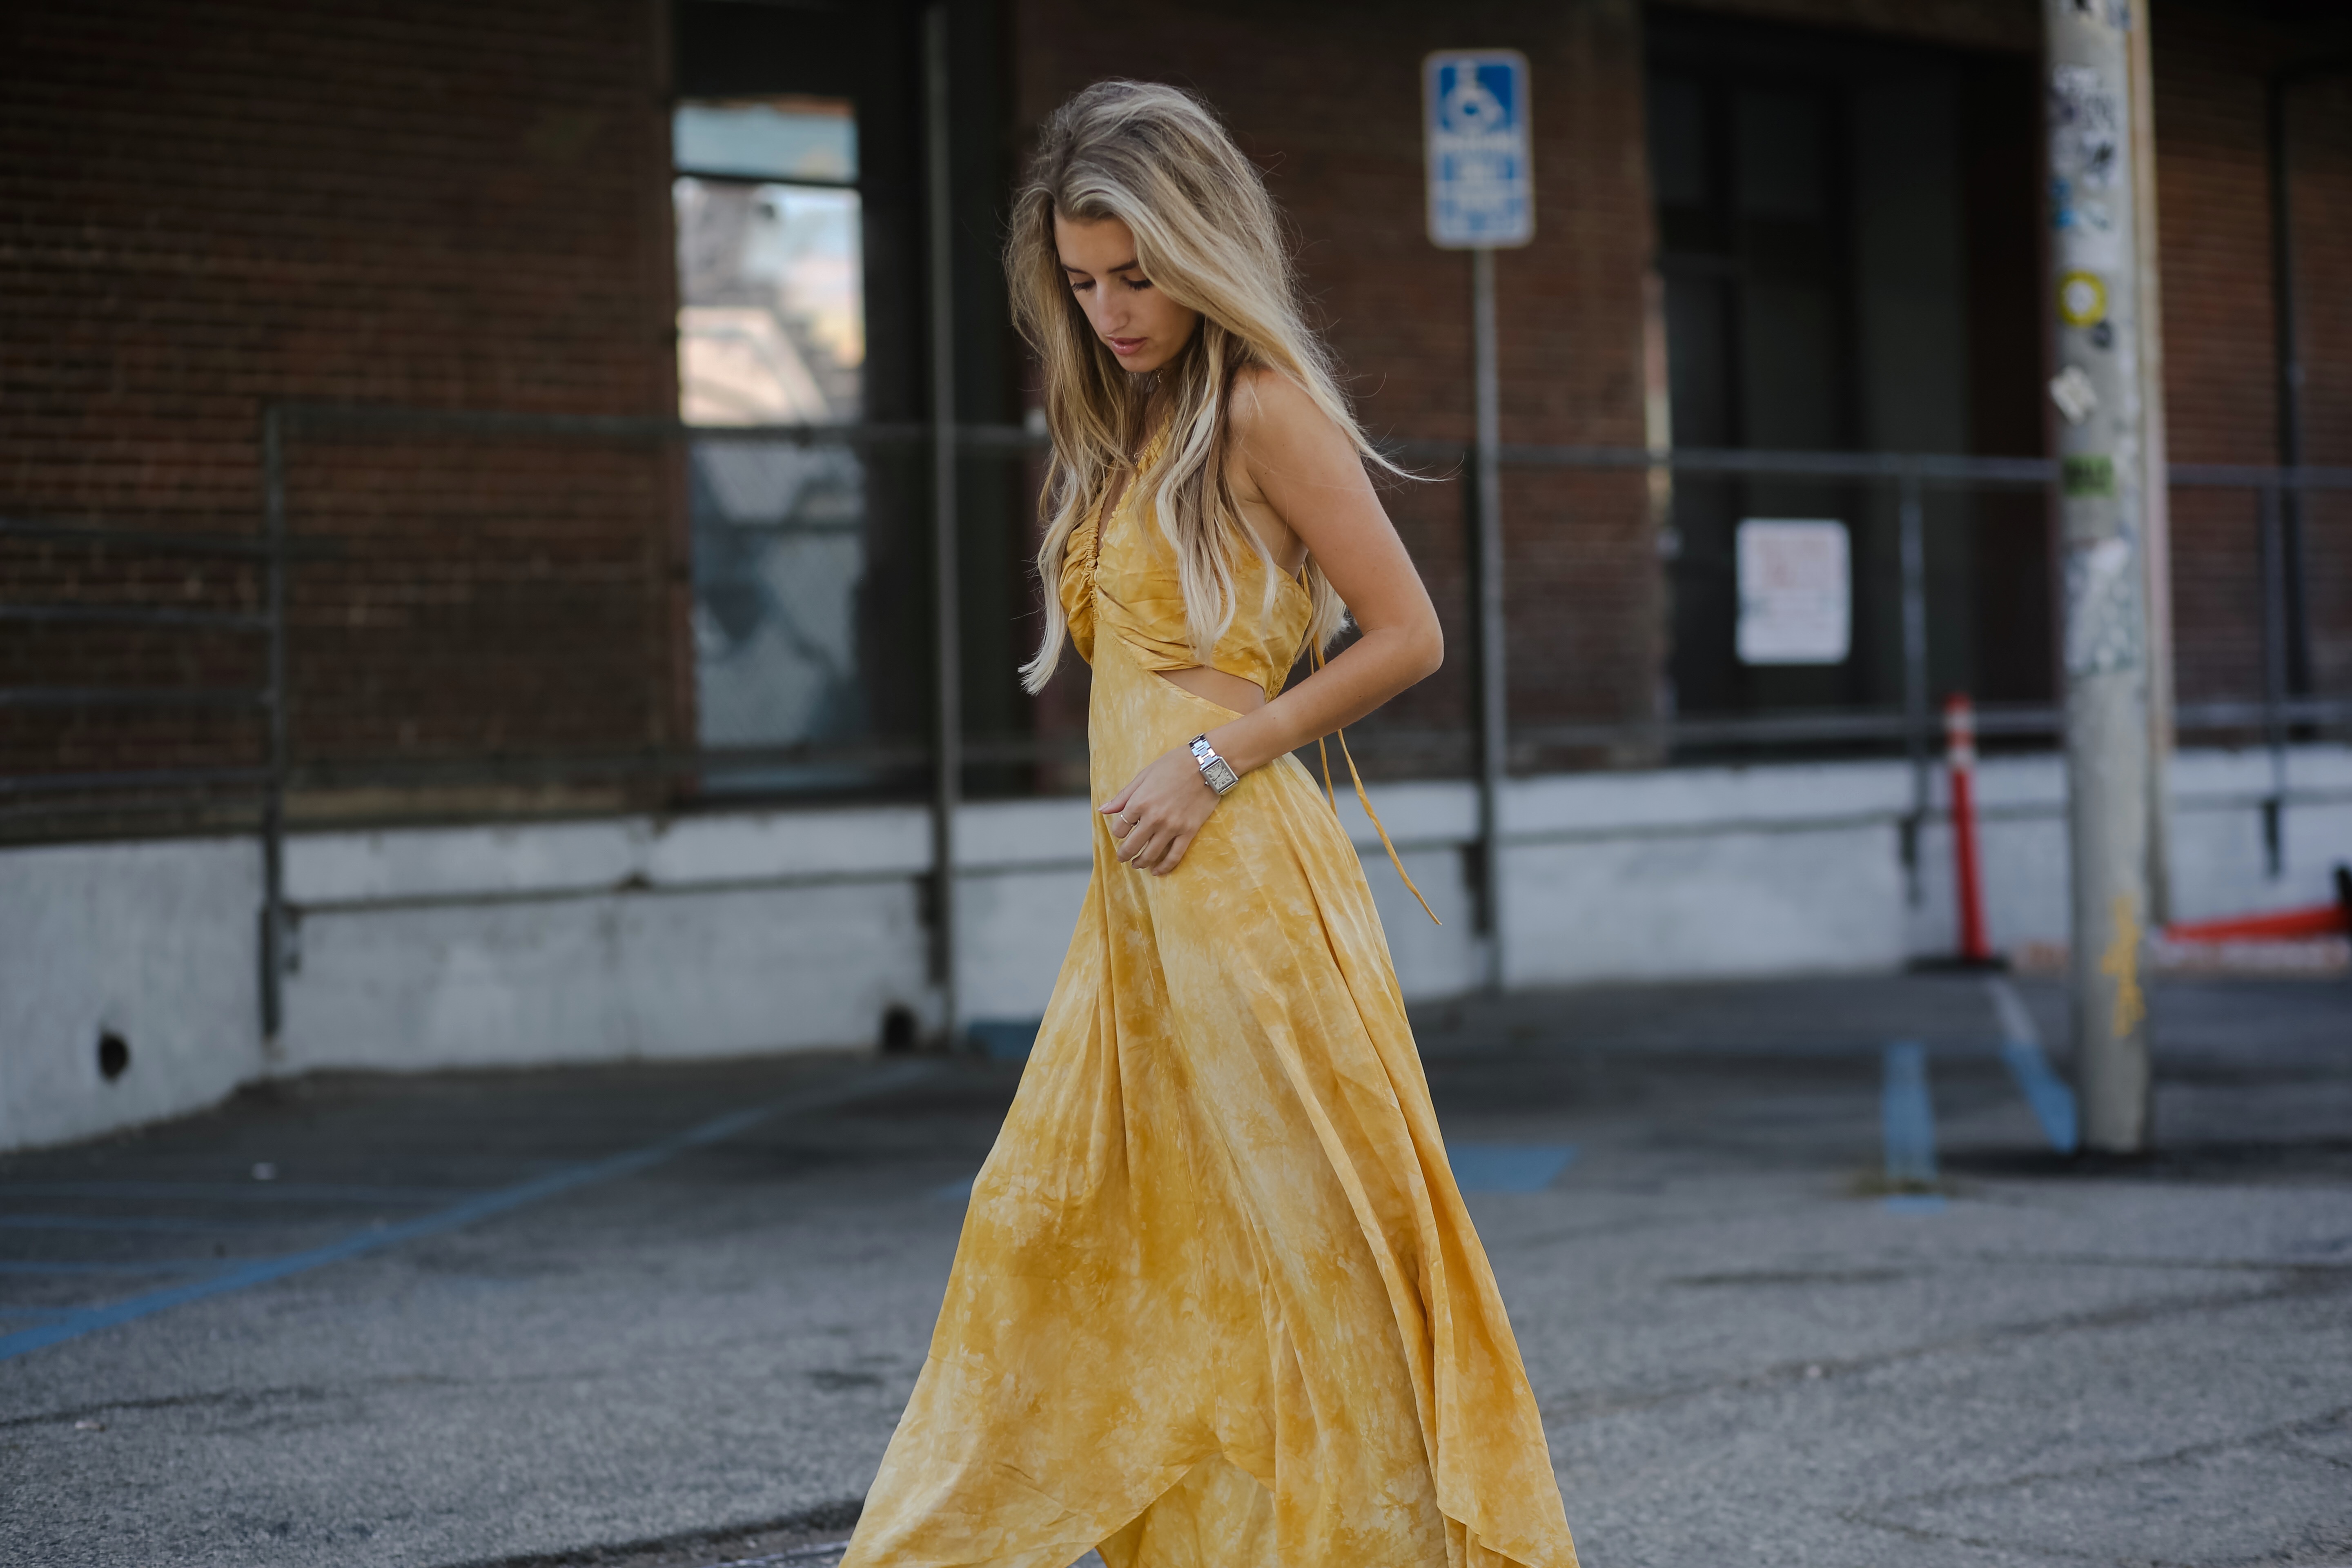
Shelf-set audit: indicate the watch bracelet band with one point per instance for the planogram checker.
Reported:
(1215, 772)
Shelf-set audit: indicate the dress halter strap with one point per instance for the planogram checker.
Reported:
(1315, 650)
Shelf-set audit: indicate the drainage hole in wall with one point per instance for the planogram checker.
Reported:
(899, 1030)
(113, 1055)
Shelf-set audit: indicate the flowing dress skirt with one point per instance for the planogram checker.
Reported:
(1217, 1302)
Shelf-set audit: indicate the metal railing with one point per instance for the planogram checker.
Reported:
(260, 788)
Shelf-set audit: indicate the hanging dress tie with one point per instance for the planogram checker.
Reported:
(1315, 651)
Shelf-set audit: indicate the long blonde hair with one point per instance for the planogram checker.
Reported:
(1208, 236)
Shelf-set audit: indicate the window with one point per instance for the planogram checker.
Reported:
(772, 312)
(772, 331)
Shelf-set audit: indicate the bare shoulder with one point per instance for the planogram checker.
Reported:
(1273, 416)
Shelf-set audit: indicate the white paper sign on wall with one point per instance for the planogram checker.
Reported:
(1796, 591)
(1475, 118)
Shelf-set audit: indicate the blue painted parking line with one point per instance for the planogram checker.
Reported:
(1908, 1116)
(1004, 1040)
(482, 1207)
(1914, 1203)
(1508, 1167)
(2020, 1049)
(44, 1267)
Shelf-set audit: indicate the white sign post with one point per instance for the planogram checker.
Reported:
(1795, 592)
(1482, 195)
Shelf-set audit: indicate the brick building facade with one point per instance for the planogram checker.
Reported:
(211, 206)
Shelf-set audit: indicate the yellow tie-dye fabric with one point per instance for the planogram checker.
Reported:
(1217, 1303)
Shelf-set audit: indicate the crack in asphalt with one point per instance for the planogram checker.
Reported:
(2280, 1435)
(2301, 1281)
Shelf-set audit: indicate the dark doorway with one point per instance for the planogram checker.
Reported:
(1846, 236)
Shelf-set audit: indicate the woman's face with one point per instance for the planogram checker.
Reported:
(1142, 326)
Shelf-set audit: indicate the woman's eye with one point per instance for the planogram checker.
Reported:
(1139, 284)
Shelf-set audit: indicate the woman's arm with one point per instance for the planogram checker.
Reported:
(1314, 481)
(1309, 475)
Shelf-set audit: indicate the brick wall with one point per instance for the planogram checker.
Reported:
(207, 206)
(1326, 97)
(2319, 131)
(2222, 402)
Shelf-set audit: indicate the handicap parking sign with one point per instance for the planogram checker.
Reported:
(1481, 184)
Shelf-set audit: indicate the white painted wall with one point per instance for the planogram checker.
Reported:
(718, 935)
(2220, 865)
(158, 942)
(745, 932)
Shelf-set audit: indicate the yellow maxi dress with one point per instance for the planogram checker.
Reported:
(1217, 1302)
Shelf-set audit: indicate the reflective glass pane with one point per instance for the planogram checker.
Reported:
(779, 553)
(1783, 142)
(1678, 143)
(770, 139)
(772, 312)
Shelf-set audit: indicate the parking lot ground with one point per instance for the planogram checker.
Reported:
(667, 1314)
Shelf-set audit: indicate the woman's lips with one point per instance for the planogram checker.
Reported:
(1125, 346)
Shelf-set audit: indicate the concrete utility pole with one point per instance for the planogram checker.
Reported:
(2094, 288)
(2156, 499)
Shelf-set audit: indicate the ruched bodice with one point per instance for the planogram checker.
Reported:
(1141, 602)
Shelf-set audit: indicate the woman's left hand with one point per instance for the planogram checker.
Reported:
(1155, 817)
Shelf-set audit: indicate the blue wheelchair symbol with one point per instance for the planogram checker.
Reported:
(1474, 101)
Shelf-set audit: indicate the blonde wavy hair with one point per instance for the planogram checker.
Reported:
(1207, 235)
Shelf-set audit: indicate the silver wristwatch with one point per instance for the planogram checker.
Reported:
(1215, 772)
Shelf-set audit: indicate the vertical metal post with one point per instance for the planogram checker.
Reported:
(948, 673)
(2287, 351)
(1912, 524)
(2156, 492)
(1493, 710)
(273, 799)
(2095, 294)
(2274, 672)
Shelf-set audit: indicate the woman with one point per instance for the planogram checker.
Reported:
(1218, 1303)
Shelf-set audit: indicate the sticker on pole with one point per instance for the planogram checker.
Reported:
(1481, 180)
(1795, 592)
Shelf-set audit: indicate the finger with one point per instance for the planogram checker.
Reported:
(1119, 801)
(1148, 844)
(1175, 855)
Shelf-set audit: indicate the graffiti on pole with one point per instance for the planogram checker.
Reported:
(2085, 154)
(2101, 607)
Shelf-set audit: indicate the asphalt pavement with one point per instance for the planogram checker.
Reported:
(667, 1314)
